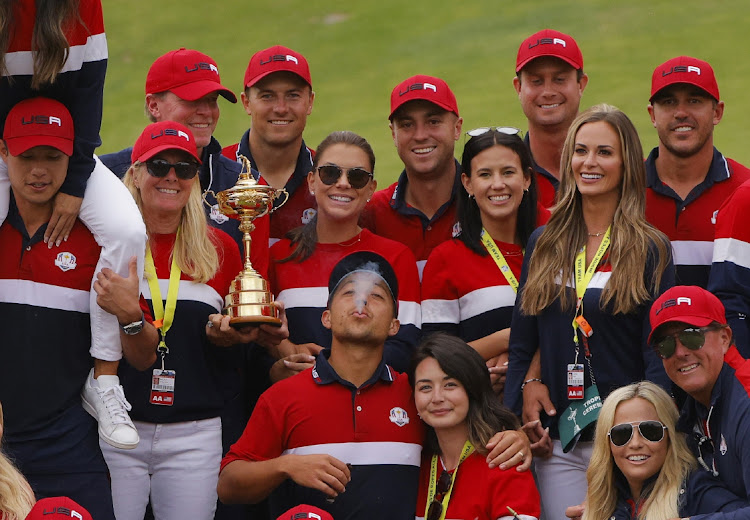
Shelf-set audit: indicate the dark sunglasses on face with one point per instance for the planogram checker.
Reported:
(160, 168)
(692, 337)
(357, 177)
(443, 485)
(652, 431)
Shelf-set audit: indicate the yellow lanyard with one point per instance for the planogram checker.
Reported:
(583, 278)
(163, 316)
(465, 452)
(499, 259)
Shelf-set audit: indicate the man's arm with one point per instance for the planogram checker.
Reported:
(244, 481)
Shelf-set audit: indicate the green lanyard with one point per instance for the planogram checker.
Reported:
(583, 278)
(465, 452)
(499, 259)
(163, 316)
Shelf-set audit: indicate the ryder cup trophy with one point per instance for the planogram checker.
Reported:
(249, 300)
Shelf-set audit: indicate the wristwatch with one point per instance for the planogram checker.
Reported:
(131, 329)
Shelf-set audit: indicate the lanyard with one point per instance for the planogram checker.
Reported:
(465, 452)
(499, 259)
(163, 316)
(582, 280)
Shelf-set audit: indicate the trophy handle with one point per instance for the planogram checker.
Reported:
(277, 194)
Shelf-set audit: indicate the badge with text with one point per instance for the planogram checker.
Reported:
(578, 416)
(162, 387)
(575, 381)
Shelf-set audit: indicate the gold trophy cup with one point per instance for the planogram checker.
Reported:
(249, 300)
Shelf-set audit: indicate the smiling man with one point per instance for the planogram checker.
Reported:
(688, 179)
(419, 209)
(549, 82)
(278, 96)
(690, 333)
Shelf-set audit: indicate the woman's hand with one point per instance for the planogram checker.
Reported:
(290, 366)
(64, 215)
(222, 334)
(508, 449)
(541, 442)
(119, 296)
(575, 512)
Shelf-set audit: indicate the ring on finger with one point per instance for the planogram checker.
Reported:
(210, 324)
(521, 454)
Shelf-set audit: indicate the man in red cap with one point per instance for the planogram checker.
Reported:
(278, 96)
(184, 85)
(549, 82)
(690, 333)
(45, 317)
(419, 209)
(687, 178)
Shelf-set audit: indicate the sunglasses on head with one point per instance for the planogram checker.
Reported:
(160, 168)
(357, 177)
(652, 431)
(692, 337)
(443, 485)
(507, 130)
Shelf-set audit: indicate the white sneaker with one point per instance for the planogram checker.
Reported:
(105, 400)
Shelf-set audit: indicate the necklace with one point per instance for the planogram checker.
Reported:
(596, 234)
(352, 241)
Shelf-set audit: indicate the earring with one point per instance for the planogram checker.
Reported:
(525, 191)
(312, 192)
(368, 200)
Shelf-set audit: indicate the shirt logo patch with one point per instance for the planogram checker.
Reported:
(723, 445)
(456, 230)
(399, 416)
(217, 216)
(66, 261)
(308, 215)
(713, 217)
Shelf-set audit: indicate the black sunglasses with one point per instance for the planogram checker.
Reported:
(443, 485)
(357, 177)
(160, 168)
(693, 339)
(652, 431)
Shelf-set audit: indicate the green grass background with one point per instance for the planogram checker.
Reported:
(359, 50)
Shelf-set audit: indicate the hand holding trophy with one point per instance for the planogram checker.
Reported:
(249, 301)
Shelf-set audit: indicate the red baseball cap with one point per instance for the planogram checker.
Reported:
(305, 511)
(189, 74)
(684, 69)
(549, 43)
(428, 88)
(56, 508)
(164, 135)
(687, 304)
(39, 122)
(275, 59)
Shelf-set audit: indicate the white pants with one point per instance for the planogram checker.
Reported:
(176, 465)
(110, 213)
(562, 478)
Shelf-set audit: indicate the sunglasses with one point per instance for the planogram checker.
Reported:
(507, 130)
(357, 177)
(443, 485)
(160, 168)
(693, 339)
(652, 431)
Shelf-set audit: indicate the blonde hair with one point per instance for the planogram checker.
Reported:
(662, 502)
(194, 251)
(16, 497)
(632, 238)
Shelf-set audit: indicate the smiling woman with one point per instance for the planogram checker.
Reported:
(641, 466)
(342, 182)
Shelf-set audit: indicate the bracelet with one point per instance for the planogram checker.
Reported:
(530, 381)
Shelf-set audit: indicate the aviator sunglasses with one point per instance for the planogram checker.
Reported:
(507, 130)
(652, 431)
(160, 168)
(693, 338)
(357, 177)
(443, 485)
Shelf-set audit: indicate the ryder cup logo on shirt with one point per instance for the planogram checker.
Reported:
(65, 261)
(399, 416)
(456, 230)
(308, 215)
(217, 216)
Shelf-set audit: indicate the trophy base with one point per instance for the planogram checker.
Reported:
(252, 314)
(244, 321)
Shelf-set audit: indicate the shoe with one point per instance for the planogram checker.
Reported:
(105, 400)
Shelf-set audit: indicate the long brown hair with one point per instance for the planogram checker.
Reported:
(634, 243)
(305, 238)
(49, 45)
